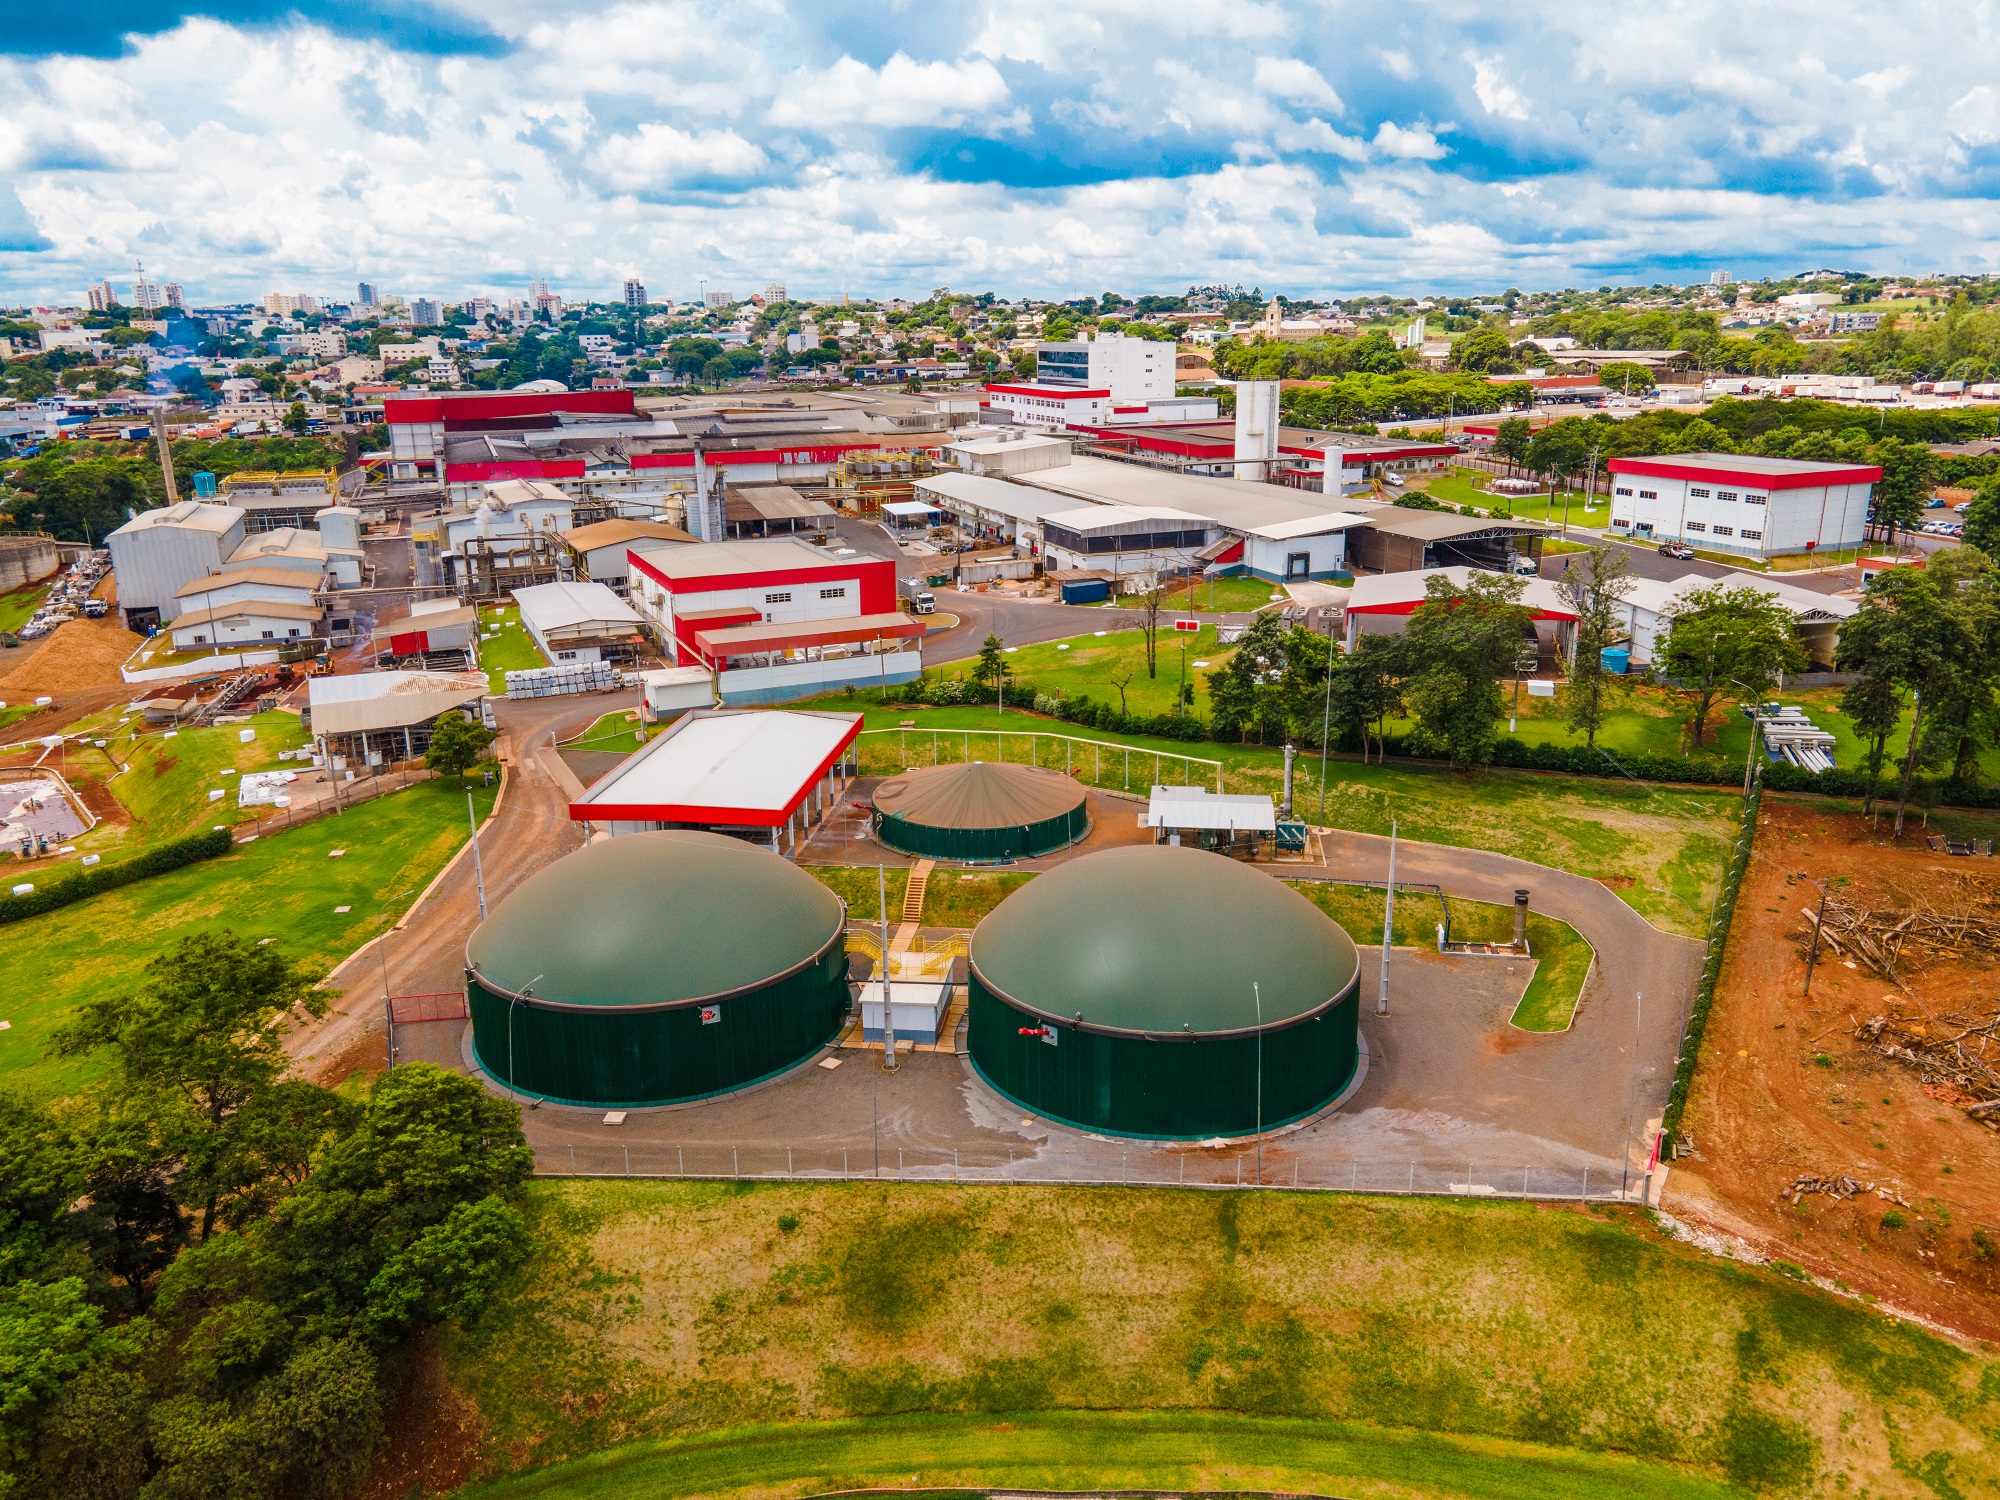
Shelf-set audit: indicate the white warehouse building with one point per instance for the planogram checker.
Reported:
(1734, 502)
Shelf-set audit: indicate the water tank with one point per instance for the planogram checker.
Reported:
(1615, 659)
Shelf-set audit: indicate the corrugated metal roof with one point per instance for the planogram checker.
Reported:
(978, 795)
(1192, 807)
(359, 701)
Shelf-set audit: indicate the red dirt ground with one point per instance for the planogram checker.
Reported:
(1765, 1108)
(433, 1435)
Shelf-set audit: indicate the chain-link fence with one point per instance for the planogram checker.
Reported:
(1277, 1165)
(1103, 763)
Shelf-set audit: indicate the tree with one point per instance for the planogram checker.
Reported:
(1484, 351)
(295, 419)
(1727, 636)
(1150, 604)
(198, 1043)
(456, 745)
(1909, 473)
(1510, 440)
(1982, 517)
(1594, 586)
(988, 665)
(1460, 644)
(81, 501)
(1367, 688)
(1623, 376)
(1246, 689)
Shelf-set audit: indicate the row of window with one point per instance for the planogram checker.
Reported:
(1139, 541)
(786, 597)
(1748, 536)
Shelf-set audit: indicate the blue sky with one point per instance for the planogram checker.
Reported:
(1045, 147)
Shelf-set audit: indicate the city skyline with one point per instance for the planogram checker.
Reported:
(1036, 150)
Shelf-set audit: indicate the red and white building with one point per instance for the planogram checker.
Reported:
(1382, 603)
(778, 619)
(1734, 502)
(767, 777)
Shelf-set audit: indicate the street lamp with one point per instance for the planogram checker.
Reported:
(389, 1005)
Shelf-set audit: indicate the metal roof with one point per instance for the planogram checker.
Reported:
(1150, 938)
(196, 515)
(654, 920)
(358, 701)
(1402, 593)
(1438, 525)
(714, 559)
(980, 794)
(744, 767)
(248, 609)
(611, 533)
(1194, 807)
(283, 578)
(562, 606)
(1014, 501)
(788, 635)
(1234, 503)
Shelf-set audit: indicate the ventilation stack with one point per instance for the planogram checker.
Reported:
(1256, 430)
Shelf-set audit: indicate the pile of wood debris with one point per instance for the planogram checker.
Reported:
(1957, 1056)
(1950, 918)
(1838, 1187)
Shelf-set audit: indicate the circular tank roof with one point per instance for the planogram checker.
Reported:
(979, 794)
(1158, 939)
(653, 919)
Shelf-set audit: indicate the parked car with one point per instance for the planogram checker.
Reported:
(1680, 550)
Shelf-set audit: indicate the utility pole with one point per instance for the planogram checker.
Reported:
(478, 872)
(888, 1014)
(1388, 925)
(1257, 999)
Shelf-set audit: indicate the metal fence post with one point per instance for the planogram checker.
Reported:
(572, 1159)
(680, 1156)
(735, 1163)
(843, 1164)
(788, 1161)
(628, 1161)
(1413, 1177)
(1584, 1196)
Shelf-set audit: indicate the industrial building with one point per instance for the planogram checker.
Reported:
(508, 539)
(656, 969)
(599, 552)
(1397, 540)
(1735, 502)
(767, 777)
(379, 718)
(440, 631)
(1163, 992)
(158, 551)
(1648, 606)
(1102, 378)
(980, 811)
(580, 622)
(1383, 603)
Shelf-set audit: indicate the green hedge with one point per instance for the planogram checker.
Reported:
(172, 855)
(1711, 969)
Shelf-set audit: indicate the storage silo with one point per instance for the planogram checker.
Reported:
(1116, 993)
(656, 968)
(980, 810)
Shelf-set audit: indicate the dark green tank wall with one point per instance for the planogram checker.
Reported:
(983, 843)
(619, 1056)
(1125, 1084)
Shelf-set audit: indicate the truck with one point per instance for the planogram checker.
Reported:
(916, 598)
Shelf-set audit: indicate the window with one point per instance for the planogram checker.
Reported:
(1725, 494)
(267, 635)
(1725, 531)
(565, 656)
(839, 593)
(1649, 494)
(777, 598)
(1755, 499)
(1696, 526)
(1751, 536)
(1699, 494)
(1624, 491)
(293, 631)
(201, 640)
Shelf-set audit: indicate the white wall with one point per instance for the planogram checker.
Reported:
(1266, 558)
(1832, 515)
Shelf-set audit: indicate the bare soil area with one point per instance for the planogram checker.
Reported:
(78, 656)
(1786, 1087)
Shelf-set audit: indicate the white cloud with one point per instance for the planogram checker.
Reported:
(1495, 93)
(658, 154)
(1396, 64)
(1416, 143)
(1296, 82)
(902, 92)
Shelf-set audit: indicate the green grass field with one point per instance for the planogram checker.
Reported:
(1190, 1452)
(1660, 846)
(17, 607)
(514, 650)
(617, 733)
(1086, 665)
(1223, 594)
(1562, 956)
(168, 781)
(1468, 487)
(799, 1338)
(284, 886)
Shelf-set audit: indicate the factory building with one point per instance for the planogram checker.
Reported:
(656, 969)
(1736, 502)
(1163, 992)
(158, 551)
(580, 622)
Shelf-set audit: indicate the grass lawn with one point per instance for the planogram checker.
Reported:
(618, 732)
(962, 898)
(282, 886)
(1468, 487)
(1795, 562)
(1562, 956)
(857, 886)
(1108, 1338)
(16, 608)
(513, 650)
(168, 781)
(1223, 594)
(1084, 1451)
(1659, 839)
(1085, 666)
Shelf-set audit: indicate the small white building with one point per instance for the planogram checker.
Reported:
(580, 622)
(1735, 502)
(1013, 451)
(1649, 604)
(1143, 543)
(247, 585)
(251, 621)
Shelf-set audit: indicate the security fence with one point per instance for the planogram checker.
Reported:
(1103, 763)
(1278, 1165)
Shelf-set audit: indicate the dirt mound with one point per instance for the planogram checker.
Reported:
(81, 654)
(1786, 1089)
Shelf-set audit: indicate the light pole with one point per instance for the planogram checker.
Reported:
(1388, 925)
(389, 1005)
(478, 871)
(888, 1015)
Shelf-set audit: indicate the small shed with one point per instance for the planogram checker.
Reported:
(580, 622)
(1227, 823)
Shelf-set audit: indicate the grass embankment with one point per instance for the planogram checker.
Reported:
(168, 781)
(512, 650)
(18, 607)
(1561, 954)
(952, 898)
(1105, 1325)
(1636, 837)
(284, 886)
(617, 733)
(1224, 595)
(1089, 666)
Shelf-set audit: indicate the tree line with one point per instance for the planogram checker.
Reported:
(210, 1270)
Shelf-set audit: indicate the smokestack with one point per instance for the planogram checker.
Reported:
(1256, 430)
(704, 517)
(1291, 754)
(1520, 921)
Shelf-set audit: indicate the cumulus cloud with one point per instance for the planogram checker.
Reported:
(1046, 146)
